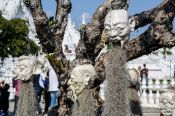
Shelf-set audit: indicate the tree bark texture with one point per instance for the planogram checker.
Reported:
(43, 30)
(51, 36)
(93, 30)
(158, 35)
(116, 92)
(62, 10)
(27, 102)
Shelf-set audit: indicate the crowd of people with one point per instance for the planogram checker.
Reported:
(44, 86)
(47, 85)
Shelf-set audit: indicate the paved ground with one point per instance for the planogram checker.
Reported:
(11, 107)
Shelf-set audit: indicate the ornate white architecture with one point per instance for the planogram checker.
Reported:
(83, 19)
(161, 69)
(160, 74)
(70, 41)
(6, 74)
(159, 66)
(16, 9)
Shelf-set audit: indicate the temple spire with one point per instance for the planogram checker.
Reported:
(83, 19)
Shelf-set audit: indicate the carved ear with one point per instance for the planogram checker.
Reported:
(132, 23)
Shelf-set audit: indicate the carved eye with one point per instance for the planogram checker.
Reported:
(107, 30)
(119, 29)
(87, 75)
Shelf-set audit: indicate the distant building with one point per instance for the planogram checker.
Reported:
(158, 65)
(11, 9)
(83, 19)
(15, 9)
(70, 41)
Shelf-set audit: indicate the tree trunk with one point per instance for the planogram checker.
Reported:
(159, 33)
(159, 17)
(44, 32)
(27, 102)
(93, 30)
(62, 10)
(116, 91)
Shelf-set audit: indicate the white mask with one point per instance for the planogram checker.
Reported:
(118, 27)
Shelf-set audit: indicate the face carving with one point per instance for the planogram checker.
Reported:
(29, 65)
(133, 76)
(118, 27)
(167, 102)
(41, 65)
(23, 70)
(82, 76)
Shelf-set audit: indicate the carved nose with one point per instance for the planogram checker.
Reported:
(114, 33)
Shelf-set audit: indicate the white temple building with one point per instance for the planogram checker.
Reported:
(70, 40)
(15, 9)
(158, 65)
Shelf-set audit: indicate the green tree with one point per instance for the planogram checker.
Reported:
(166, 52)
(13, 38)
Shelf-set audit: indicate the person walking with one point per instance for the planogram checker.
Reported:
(144, 74)
(53, 88)
(17, 86)
(4, 100)
(38, 91)
(46, 94)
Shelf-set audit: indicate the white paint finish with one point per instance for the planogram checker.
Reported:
(71, 39)
(17, 9)
(118, 26)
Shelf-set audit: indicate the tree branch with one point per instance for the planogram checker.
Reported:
(62, 11)
(44, 33)
(158, 35)
(147, 17)
(94, 29)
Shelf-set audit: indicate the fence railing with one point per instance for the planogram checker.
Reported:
(150, 94)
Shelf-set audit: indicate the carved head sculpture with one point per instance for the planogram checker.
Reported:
(167, 102)
(29, 65)
(41, 65)
(133, 76)
(118, 26)
(24, 68)
(82, 76)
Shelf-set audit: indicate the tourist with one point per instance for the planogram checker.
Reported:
(4, 99)
(144, 74)
(17, 86)
(53, 88)
(38, 91)
(46, 94)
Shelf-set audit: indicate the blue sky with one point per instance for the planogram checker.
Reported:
(89, 6)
